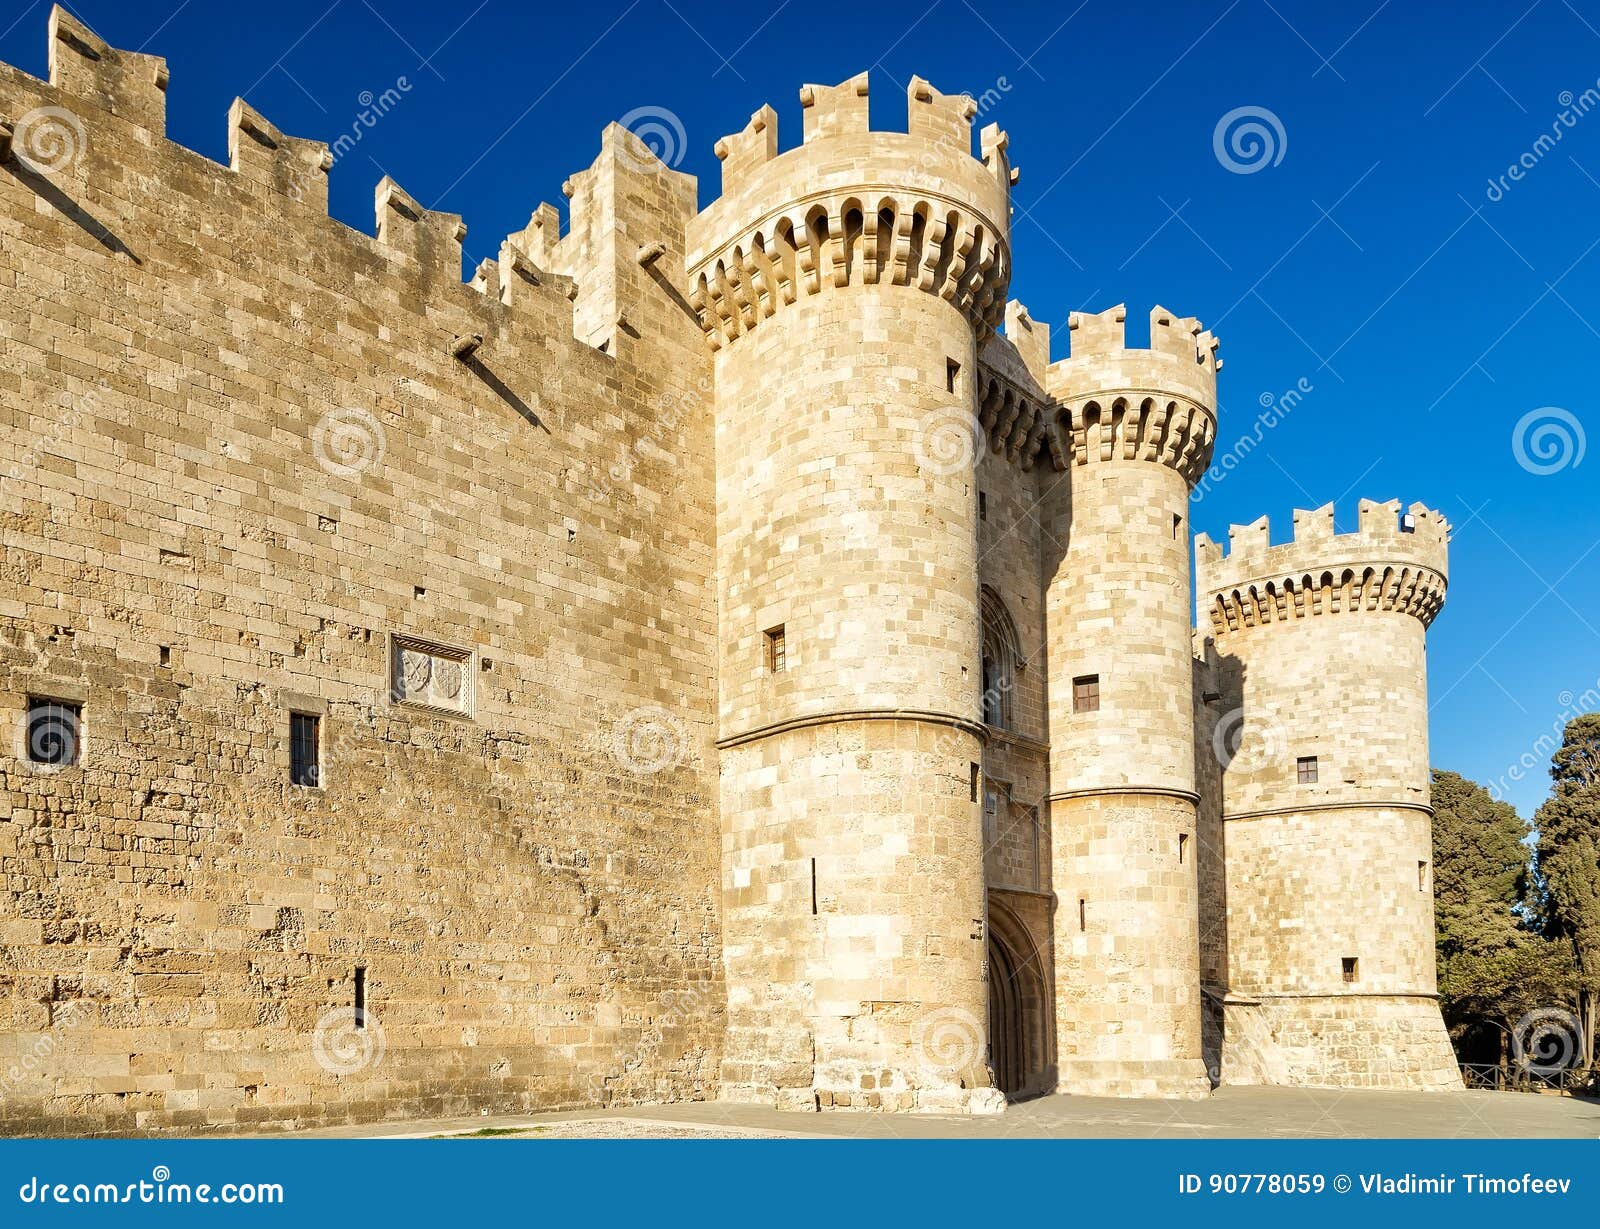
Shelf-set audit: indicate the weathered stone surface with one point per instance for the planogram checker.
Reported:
(586, 828)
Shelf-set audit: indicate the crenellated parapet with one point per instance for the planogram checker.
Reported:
(99, 101)
(1156, 404)
(852, 206)
(1391, 563)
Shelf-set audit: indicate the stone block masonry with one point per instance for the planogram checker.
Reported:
(705, 653)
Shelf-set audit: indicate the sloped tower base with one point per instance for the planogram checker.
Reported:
(1347, 1041)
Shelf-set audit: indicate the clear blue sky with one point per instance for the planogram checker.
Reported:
(1369, 261)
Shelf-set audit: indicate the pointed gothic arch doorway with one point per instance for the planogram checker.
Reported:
(1018, 1030)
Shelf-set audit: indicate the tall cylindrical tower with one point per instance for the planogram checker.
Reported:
(1322, 731)
(844, 286)
(1138, 426)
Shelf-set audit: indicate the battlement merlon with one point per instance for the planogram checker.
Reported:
(294, 166)
(1392, 561)
(128, 84)
(854, 205)
(1182, 359)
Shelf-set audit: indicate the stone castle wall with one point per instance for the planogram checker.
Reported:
(583, 835)
(239, 459)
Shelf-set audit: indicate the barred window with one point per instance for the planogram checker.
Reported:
(54, 731)
(777, 649)
(305, 760)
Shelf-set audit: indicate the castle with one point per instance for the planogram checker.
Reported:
(708, 654)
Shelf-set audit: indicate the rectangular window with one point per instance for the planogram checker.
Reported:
(1183, 847)
(305, 762)
(1351, 968)
(361, 996)
(54, 731)
(976, 770)
(1306, 769)
(952, 370)
(983, 506)
(777, 649)
(1177, 528)
(1083, 914)
(1422, 876)
(1086, 694)
(813, 887)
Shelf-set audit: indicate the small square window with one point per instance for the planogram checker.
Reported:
(1086, 694)
(1351, 968)
(305, 752)
(1306, 769)
(55, 731)
(777, 649)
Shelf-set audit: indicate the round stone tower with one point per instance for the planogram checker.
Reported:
(1321, 727)
(844, 287)
(1137, 427)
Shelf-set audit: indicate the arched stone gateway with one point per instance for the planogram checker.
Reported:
(1018, 1021)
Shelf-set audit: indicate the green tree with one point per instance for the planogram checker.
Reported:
(1480, 869)
(1492, 967)
(1569, 862)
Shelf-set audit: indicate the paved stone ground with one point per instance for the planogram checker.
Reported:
(1231, 1113)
